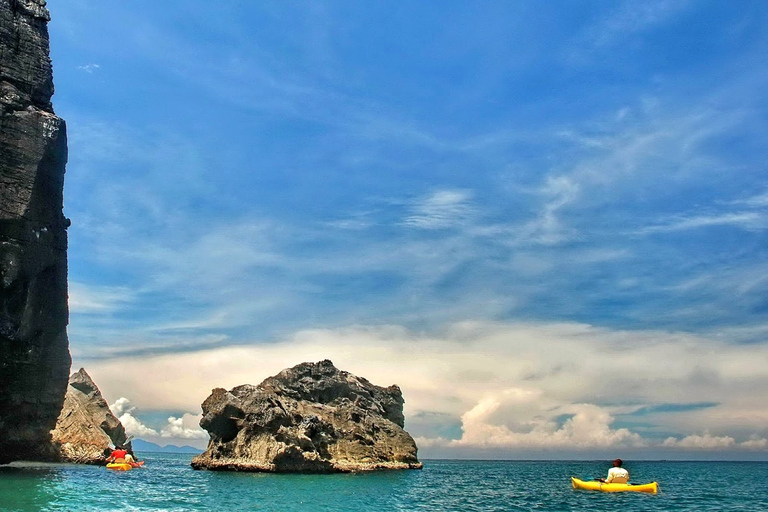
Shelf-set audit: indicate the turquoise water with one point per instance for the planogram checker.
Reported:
(168, 483)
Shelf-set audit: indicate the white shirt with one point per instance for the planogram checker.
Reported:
(617, 475)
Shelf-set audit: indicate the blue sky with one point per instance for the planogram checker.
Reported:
(346, 178)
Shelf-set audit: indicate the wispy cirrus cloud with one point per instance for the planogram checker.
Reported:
(549, 227)
(440, 209)
(629, 19)
(331, 167)
(516, 249)
(749, 213)
(85, 299)
(756, 201)
(751, 221)
(89, 68)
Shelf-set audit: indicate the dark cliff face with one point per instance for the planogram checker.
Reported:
(34, 353)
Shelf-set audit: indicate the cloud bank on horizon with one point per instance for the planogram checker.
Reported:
(558, 212)
(480, 388)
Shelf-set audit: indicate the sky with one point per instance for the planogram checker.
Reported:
(545, 221)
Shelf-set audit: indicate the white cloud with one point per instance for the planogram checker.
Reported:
(707, 441)
(750, 215)
(86, 299)
(704, 442)
(755, 443)
(124, 409)
(186, 427)
(507, 384)
(548, 228)
(441, 209)
(133, 426)
(89, 68)
(122, 406)
(758, 201)
(203, 272)
(177, 430)
(634, 17)
(586, 426)
(750, 220)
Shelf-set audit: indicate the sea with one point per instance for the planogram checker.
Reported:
(168, 483)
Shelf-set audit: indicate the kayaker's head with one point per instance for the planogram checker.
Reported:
(617, 463)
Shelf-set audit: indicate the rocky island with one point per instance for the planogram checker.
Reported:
(34, 350)
(310, 418)
(86, 429)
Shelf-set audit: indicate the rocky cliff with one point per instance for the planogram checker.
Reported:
(86, 427)
(309, 418)
(34, 354)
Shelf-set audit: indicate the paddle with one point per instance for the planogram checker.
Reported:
(113, 447)
(127, 440)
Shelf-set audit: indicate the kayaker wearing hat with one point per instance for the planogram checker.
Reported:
(617, 474)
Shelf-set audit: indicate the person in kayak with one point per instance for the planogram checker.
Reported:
(617, 474)
(118, 455)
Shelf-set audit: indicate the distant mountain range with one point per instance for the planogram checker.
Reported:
(140, 445)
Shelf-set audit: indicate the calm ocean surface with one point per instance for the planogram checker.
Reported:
(168, 483)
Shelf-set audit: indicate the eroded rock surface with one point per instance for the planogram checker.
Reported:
(309, 418)
(34, 353)
(86, 426)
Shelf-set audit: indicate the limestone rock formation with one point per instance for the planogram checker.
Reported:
(34, 353)
(309, 418)
(86, 427)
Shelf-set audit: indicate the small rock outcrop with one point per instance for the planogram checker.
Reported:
(34, 352)
(86, 427)
(310, 418)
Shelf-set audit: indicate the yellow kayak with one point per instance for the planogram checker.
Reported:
(596, 485)
(119, 466)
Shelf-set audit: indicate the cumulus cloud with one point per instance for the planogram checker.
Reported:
(527, 419)
(706, 442)
(122, 406)
(123, 409)
(585, 426)
(504, 385)
(184, 428)
(755, 443)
